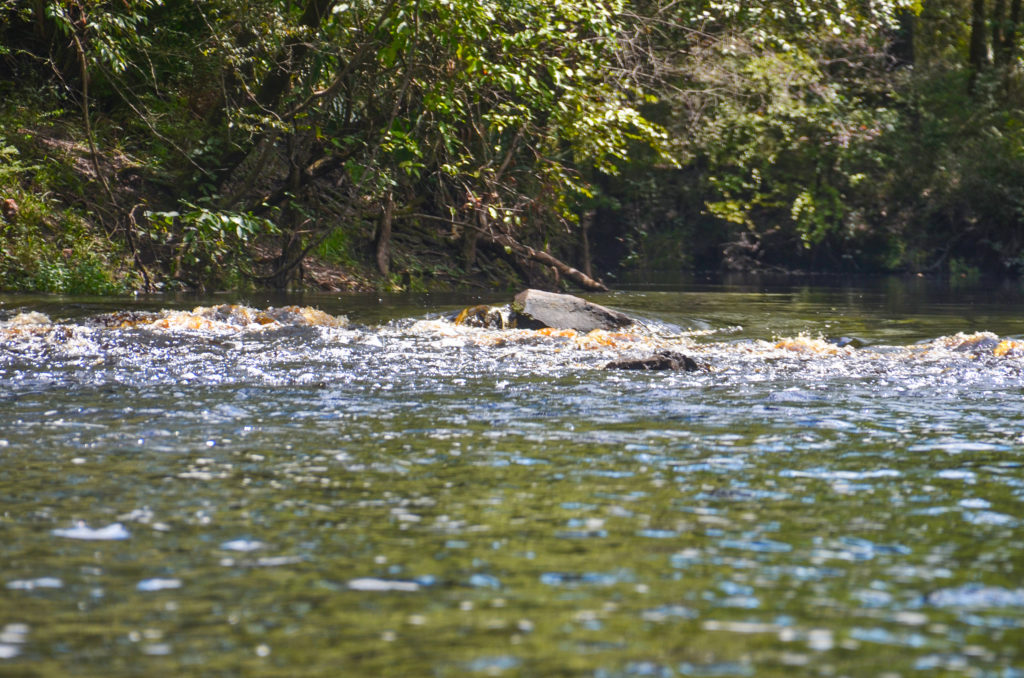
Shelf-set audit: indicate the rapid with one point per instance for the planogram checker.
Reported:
(360, 486)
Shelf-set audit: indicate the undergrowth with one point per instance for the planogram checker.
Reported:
(47, 244)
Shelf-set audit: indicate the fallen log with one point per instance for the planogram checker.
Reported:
(515, 248)
(564, 269)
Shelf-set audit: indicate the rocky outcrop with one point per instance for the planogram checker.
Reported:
(662, 360)
(536, 309)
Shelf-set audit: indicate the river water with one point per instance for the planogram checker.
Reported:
(249, 491)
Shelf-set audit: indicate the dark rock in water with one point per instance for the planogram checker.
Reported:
(662, 360)
(843, 342)
(123, 319)
(536, 309)
(976, 344)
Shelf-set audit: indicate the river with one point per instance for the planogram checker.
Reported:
(244, 491)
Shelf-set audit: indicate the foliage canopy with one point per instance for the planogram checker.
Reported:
(226, 141)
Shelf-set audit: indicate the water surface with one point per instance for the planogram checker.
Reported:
(837, 492)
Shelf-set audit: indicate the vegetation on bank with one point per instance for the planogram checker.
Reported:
(171, 144)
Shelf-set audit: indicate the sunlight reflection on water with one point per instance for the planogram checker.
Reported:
(428, 499)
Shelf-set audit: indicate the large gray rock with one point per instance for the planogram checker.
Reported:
(536, 309)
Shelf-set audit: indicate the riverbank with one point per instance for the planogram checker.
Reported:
(103, 220)
(76, 222)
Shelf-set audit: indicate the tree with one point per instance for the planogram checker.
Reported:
(473, 115)
(474, 119)
(777, 108)
(993, 37)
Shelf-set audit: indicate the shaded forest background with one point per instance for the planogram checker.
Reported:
(414, 144)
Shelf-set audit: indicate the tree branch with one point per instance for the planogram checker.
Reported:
(512, 246)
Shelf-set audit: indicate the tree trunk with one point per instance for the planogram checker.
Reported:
(289, 59)
(586, 221)
(43, 31)
(977, 55)
(999, 32)
(469, 239)
(1010, 35)
(901, 44)
(384, 235)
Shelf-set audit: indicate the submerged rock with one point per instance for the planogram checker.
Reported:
(301, 316)
(662, 360)
(123, 319)
(979, 342)
(536, 309)
(843, 342)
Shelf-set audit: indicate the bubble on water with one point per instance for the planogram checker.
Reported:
(667, 612)
(883, 636)
(793, 395)
(756, 545)
(831, 474)
(957, 474)
(278, 561)
(734, 589)
(976, 596)
(957, 447)
(574, 579)
(741, 626)
(529, 461)
(158, 584)
(657, 534)
(820, 640)
(992, 622)
(912, 572)
(931, 511)
(243, 544)
(586, 523)
(686, 557)
(741, 602)
(871, 598)
(80, 530)
(12, 637)
(38, 583)
(910, 618)
(989, 518)
(381, 585)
